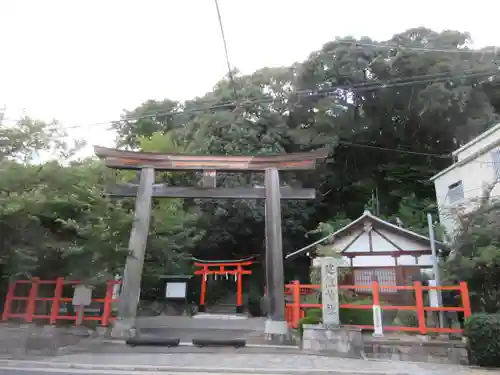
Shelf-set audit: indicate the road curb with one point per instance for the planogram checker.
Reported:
(186, 369)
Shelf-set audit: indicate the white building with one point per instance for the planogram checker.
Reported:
(461, 185)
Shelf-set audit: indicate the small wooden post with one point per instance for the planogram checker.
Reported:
(464, 292)
(106, 311)
(56, 302)
(79, 314)
(239, 290)
(31, 307)
(296, 303)
(377, 310)
(419, 298)
(8, 300)
(203, 292)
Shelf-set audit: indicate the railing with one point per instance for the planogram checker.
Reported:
(296, 309)
(30, 311)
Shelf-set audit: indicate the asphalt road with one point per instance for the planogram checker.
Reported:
(5, 371)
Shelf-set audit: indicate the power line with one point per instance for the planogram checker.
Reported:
(230, 72)
(310, 93)
(399, 151)
(396, 46)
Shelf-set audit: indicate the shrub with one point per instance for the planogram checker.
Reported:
(254, 307)
(483, 339)
(307, 320)
(406, 318)
(362, 317)
(350, 316)
(314, 313)
(254, 303)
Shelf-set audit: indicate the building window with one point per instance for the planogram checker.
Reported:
(495, 157)
(455, 191)
(384, 276)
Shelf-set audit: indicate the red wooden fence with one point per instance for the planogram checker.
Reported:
(30, 312)
(295, 309)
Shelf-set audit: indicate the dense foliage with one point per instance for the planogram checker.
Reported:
(368, 102)
(483, 339)
(56, 220)
(475, 255)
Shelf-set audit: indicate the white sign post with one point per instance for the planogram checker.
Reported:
(329, 290)
(82, 296)
(378, 329)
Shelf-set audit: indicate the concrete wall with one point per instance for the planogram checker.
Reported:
(350, 342)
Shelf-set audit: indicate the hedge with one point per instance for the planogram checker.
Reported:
(347, 316)
(483, 339)
(362, 317)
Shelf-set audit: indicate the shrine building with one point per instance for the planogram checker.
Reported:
(377, 250)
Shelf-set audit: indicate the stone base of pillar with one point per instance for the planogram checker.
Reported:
(277, 333)
(123, 329)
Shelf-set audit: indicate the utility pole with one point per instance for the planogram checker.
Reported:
(435, 268)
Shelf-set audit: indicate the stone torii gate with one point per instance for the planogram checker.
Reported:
(148, 163)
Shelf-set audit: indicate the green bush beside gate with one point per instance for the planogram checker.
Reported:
(483, 339)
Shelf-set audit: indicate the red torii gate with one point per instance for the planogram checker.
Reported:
(223, 268)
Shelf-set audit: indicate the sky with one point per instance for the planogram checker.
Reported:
(83, 61)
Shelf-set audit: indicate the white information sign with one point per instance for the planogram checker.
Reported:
(82, 295)
(329, 289)
(175, 290)
(433, 295)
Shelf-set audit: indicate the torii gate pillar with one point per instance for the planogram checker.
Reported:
(276, 328)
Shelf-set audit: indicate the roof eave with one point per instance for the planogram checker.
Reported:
(443, 172)
(477, 139)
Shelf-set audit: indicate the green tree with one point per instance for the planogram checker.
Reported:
(360, 99)
(475, 253)
(57, 220)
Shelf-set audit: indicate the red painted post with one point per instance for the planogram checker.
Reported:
(296, 303)
(106, 311)
(203, 291)
(419, 298)
(464, 292)
(31, 307)
(239, 287)
(8, 300)
(56, 302)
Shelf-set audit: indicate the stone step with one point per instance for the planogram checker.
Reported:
(215, 310)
